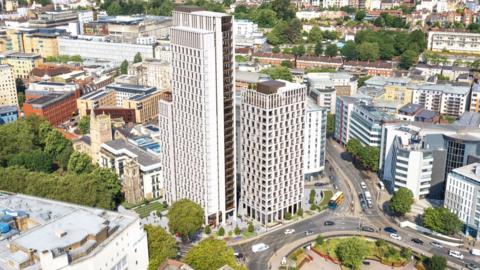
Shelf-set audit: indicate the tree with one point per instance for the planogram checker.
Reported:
(185, 218)
(276, 49)
(250, 228)
(387, 51)
(330, 124)
(406, 253)
(401, 201)
(84, 125)
(349, 50)
(80, 163)
(352, 252)
(441, 220)
(368, 51)
(311, 199)
(35, 160)
(211, 254)
(407, 59)
(124, 67)
(58, 147)
(114, 9)
(319, 240)
(318, 49)
(207, 229)
(20, 85)
(284, 9)
(315, 35)
(221, 231)
(360, 15)
(379, 22)
(437, 262)
(161, 246)
(288, 216)
(266, 18)
(361, 80)
(354, 147)
(298, 50)
(331, 50)
(237, 230)
(300, 212)
(137, 58)
(278, 72)
(286, 63)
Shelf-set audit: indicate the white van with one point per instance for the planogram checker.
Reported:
(259, 247)
(364, 186)
(455, 254)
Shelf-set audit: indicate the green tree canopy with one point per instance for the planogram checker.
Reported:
(349, 50)
(352, 252)
(330, 124)
(185, 218)
(436, 262)
(276, 49)
(299, 50)
(360, 15)
(331, 50)
(315, 35)
(35, 160)
(368, 51)
(80, 163)
(278, 72)
(266, 18)
(124, 67)
(161, 246)
(211, 254)
(318, 50)
(407, 59)
(84, 125)
(137, 58)
(58, 147)
(441, 220)
(401, 201)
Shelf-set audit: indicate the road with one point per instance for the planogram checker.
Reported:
(348, 179)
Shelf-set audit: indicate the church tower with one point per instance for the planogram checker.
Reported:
(100, 132)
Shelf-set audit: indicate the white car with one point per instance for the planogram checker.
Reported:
(395, 236)
(259, 247)
(436, 245)
(289, 231)
(455, 254)
(363, 185)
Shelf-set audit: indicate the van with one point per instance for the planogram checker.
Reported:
(455, 254)
(259, 247)
(475, 252)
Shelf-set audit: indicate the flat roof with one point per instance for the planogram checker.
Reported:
(469, 171)
(47, 100)
(124, 147)
(410, 108)
(8, 108)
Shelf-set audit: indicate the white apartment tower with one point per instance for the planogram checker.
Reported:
(8, 90)
(272, 137)
(202, 163)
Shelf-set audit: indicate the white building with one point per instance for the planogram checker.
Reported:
(83, 18)
(455, 41)
(202, 166)
(442, 98)
(153, 72)
(53, 235)
(126, 91)
(335, 3)
(344, 107)
(104, 50)
(315, 139)
(461, 195)
(245, 28)
(272, 139)
(8, 90)
(307, 15)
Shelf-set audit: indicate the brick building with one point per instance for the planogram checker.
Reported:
(54, 107)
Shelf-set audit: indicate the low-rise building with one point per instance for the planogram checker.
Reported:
(8, 114)
(126, 91)
(44, 234)
(22, 63)
(304, 62)
(454, 41)
(39, 89)
(52, 19)
(56, 108)
(273, 58)
(384, 69)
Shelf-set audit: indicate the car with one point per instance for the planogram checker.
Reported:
(329, 223)
(308, 232)
(366, 262)
(335, 186)
(455, 254)
(363, 185)
(363, 204)
(289, 231)
(390, 230)
(417, 241)
(436, 245)
(367, 229)
(395, 236)
(259, 247)
(238, 255)
(472, 266)
(361, 197)
(318, 184)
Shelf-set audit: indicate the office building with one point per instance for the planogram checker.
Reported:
(8, 89)
(462, 189)
(138, 169)
(272, 138)
(454, 41)
(39, 89)
(8, 114)
(44, 234)
(315, 139)
(125, 92)
(153, 72)
(56, 108)
(22, 63)
(39, 41)
(201, 113)
(344, 107)
(52, 19)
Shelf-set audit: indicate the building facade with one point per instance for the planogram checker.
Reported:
(23, 63)
(454, 41)
(56, 108)
(272, 139)
(203, 115)
(8, 114)
(315, 139)
(8, 90)
(443, 98)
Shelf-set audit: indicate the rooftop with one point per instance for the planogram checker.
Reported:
(471, 119)
(7, 109)
(470, 171)
(122, 147)
(410, 108)
(47, 100)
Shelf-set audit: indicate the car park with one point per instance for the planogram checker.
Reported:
(436, 245)
(367, 229)
(289, 231)
(329, 223)
(395, 236)
(259, 247)
(417, 241)
(390, 230)
(455, 254)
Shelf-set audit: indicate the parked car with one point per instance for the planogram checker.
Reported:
(395, 236)
(417, 241)
(259, 247)
(329, 223)
(308, 232)
(390, 230)
(455, 254)
(319, 184)
(472, 266)
(289, 231)
(436, 245)
(366, 262)
(367, 229)
(363, 185)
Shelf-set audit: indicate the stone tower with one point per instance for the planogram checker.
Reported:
(100, 132)
(132, 184)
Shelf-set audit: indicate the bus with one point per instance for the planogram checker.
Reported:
(336, 200)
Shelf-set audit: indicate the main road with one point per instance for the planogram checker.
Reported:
(349, 179)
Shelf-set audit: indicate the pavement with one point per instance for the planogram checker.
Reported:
(348, 179)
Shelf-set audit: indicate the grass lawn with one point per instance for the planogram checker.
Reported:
(247, 234)
(327, 194)
(145, 210)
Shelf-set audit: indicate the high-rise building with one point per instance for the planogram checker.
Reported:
(202, 113)
(8, 91)
(272, 137)
(315, 139)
